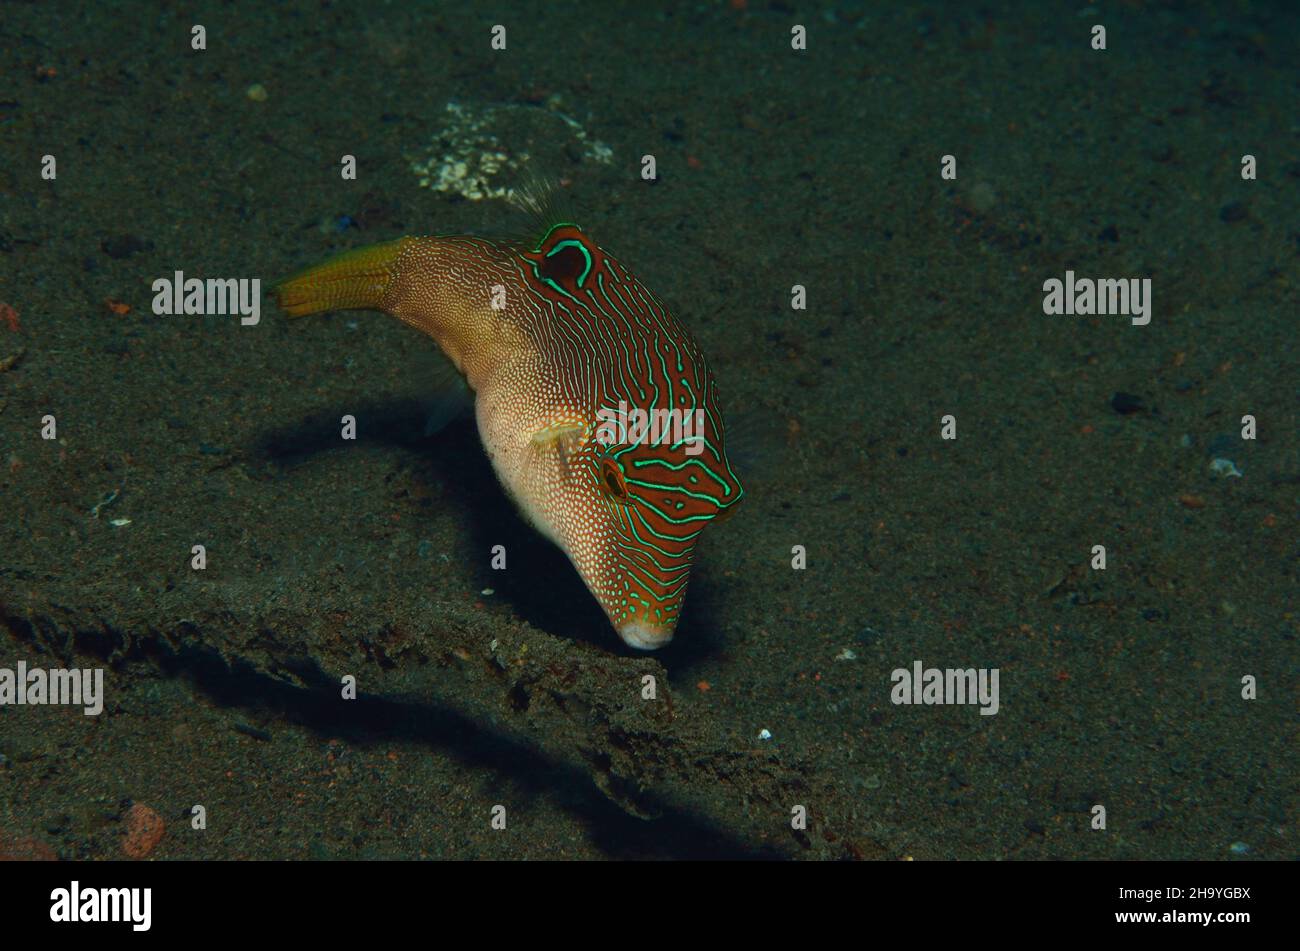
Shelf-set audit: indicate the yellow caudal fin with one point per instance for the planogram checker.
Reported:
(355, 280)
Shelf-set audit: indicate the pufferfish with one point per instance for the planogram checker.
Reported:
(561, 346)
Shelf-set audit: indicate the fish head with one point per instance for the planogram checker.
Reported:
(645, 469)
(646, 485)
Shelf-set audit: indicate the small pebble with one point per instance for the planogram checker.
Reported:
(144, 830)
(1225, 468)
(764, 734)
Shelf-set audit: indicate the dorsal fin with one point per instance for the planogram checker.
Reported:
(541, 198)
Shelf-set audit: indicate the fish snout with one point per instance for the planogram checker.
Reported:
(645, 636)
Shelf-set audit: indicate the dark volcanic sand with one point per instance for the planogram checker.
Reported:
(1118, 687)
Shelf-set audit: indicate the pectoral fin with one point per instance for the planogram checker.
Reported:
(561, 439)
(450, 399)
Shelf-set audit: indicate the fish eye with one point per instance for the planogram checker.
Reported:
(611, 479)
(563, 264)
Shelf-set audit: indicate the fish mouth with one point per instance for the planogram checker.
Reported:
(645, 637)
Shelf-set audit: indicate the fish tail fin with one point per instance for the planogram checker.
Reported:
(354, 280)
